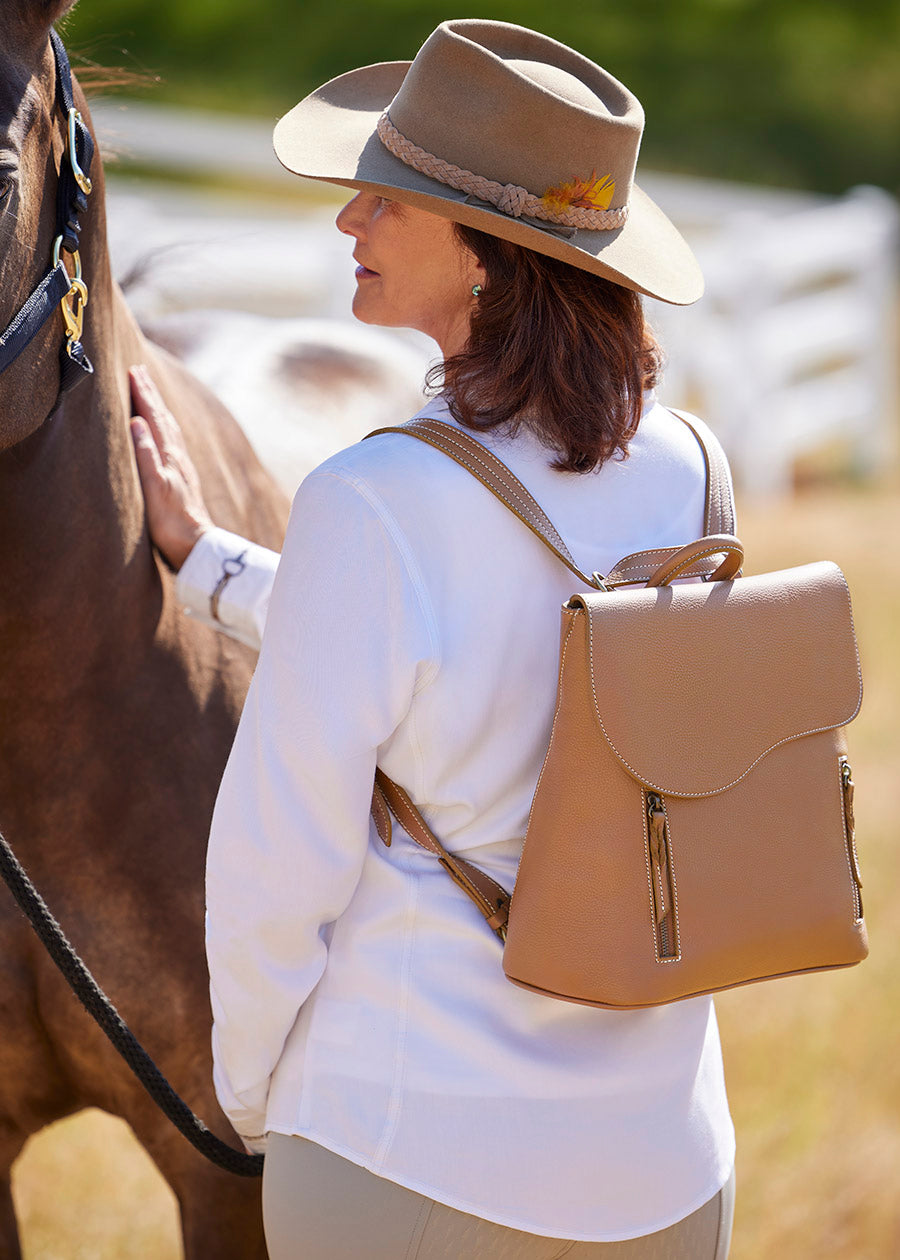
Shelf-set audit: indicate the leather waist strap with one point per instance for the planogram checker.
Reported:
(490, 898)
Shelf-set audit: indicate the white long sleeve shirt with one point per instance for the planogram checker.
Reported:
(358, 996)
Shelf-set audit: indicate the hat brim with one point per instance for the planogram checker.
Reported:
(330, 135)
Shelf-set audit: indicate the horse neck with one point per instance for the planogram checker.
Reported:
(75, 565)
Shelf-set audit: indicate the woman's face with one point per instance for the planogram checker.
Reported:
(413, 272)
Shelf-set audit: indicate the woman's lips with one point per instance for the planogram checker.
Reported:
(363, 273)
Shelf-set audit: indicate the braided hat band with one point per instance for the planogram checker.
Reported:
(510, 199)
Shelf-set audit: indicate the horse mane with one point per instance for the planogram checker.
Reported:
(96, 78)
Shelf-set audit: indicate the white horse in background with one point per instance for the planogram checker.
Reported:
(257, 305)
(301, 389)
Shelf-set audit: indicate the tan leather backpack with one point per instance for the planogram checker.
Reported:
(692, 827)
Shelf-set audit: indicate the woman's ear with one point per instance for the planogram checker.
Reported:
(474, 272)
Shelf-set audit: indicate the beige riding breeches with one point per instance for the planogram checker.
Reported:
(318, 1206)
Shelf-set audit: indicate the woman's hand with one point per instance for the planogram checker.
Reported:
(176, 513)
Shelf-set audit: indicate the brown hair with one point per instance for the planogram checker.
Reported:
(555, 348)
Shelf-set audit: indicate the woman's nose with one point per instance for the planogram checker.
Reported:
(352, 218)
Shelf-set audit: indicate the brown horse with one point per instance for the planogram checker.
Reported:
(116, 712)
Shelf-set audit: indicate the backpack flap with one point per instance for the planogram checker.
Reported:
(695, 684)
(692, 826)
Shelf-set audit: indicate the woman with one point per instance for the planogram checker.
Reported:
(412, 1102)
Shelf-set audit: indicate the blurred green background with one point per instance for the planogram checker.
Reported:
(793, 93)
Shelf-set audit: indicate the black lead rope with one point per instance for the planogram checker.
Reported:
(97, 1004)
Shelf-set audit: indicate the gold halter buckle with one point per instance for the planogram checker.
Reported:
(73, 315)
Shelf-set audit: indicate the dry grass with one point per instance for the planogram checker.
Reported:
(85, 1190)
(813, 1064)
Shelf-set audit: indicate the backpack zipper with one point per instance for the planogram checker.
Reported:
(661, 880)
(850, 832)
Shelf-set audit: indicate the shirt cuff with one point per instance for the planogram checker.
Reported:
(243, 600)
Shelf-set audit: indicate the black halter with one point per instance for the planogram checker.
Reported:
(58, 288)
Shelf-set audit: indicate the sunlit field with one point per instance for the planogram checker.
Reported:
(813, 1063)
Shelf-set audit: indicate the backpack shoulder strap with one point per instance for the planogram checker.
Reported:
(493, 473)
(388, 797)
(718, 516)
(474, 456)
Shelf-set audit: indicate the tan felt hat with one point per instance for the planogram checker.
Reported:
(504, 130)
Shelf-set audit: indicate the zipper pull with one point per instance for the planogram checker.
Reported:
(656, 817)
(847, 787)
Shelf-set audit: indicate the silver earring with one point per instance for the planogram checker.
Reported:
(477, 290)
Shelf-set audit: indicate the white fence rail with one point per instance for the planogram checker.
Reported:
(793, 346)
